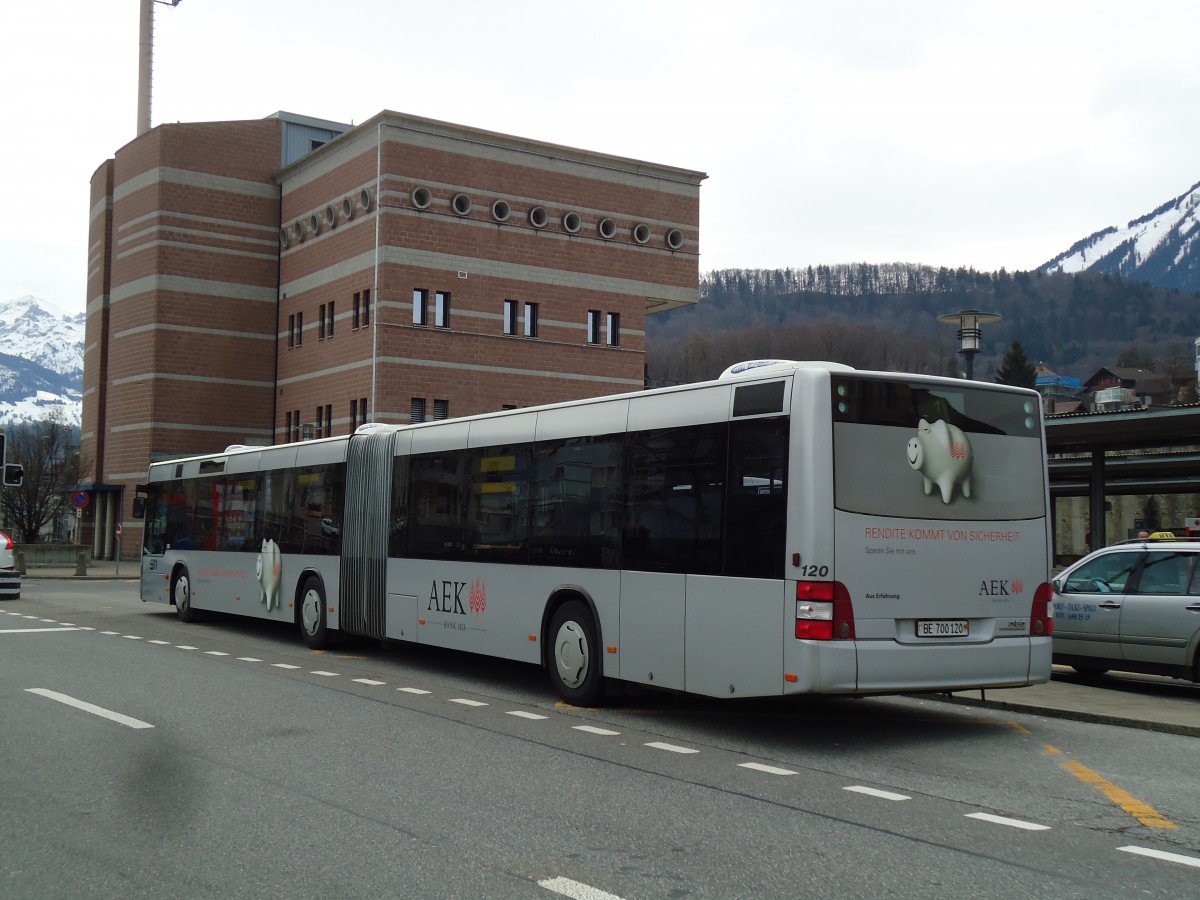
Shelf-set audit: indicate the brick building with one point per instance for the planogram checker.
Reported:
(262, 281)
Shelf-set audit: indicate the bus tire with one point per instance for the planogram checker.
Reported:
(181, 595)
(574, 661)
(312, 614)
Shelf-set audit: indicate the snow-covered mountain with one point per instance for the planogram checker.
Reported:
(41, 360)
(1161, 247)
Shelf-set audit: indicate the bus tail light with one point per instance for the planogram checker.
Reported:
(823, 611)
(1041, 618)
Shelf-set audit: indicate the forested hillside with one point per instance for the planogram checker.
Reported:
(885, 316)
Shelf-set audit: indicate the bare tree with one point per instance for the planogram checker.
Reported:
(48, 451)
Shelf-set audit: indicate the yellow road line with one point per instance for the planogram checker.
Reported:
(1144, 813)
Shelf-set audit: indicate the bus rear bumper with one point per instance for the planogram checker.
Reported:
(887, 666)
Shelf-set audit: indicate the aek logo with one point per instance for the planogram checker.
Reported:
(447, 597)
(1000, 587)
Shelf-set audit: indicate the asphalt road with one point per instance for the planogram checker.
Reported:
(142, 757)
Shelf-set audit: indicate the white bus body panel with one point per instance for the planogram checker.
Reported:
(732, 636)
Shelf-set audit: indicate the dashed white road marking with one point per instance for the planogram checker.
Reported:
(370, 681)
(132, 637)
(592, 729)
(1011, 823)
(35, 630)
(875, 792)
(215, 653)
(249, 659)
(522, 714)
(770, 770)
(127, 721)
(673, 748)
(326, 674)
(104, 632)
(413, 691)
(576, 890)
(50, 621)
(284, 666)
(463, 701)
(164, 643)
(185, 647)
(1164, 855)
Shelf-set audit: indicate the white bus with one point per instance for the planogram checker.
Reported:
(789, 528)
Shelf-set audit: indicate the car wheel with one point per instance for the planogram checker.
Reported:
(181, 593)
(574, 655)
(312, 615)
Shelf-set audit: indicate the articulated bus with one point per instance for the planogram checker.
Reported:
(789, 528)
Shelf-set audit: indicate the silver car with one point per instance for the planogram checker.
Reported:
(1134, 607)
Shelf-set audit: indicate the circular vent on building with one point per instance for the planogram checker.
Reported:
(607, 229)
(501, 211)
(538, 217)
(285, 239)
(421, 198)
(571, 222)
(674, 238)
(314, 223)
(461, 204)
(298, 231)
(641, 233)
(364, 200)
(348, 209)
(330, 216)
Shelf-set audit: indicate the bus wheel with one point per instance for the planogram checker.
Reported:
(181, 591)
(574, 655)
(312, 615)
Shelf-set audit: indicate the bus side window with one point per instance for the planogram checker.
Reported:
(756, 509)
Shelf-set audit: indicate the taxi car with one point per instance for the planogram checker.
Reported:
(1134, 607)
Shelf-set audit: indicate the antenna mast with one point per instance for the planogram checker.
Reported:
(146, 61)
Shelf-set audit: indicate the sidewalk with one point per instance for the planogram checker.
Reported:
(1134, 701)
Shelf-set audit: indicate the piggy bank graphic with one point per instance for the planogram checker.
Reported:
(942, 454)
(270, 571)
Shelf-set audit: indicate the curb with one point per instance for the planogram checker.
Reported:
(1072, 714)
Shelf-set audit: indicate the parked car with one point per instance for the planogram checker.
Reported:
(7, 557)
(10, 578)
(1134, 606)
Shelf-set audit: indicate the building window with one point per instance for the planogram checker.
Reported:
(441, 309)
(441, 409)
(321, 323)
(612, 327)
(366, 318)
(357, 301)
(353, 414)
(287, 428)
(531, 320)
(318, 420)
(328, 420)
(329, 328)
(296, 425)
(420, 307)
(510, 316)
(291, 334)
(417, 410)
(299, 329)
(593, 326)
(362, 410)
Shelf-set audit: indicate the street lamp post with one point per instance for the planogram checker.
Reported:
(969, 333)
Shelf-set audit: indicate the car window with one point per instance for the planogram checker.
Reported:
(1169, 573)
(1105, 574)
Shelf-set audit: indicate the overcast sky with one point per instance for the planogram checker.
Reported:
(953, 133)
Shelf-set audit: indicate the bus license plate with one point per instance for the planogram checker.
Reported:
(943, 628)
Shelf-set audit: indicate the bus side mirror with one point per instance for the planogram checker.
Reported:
(139, 507)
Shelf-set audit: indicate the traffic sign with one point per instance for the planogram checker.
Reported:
(118, 531)
(80, 499)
